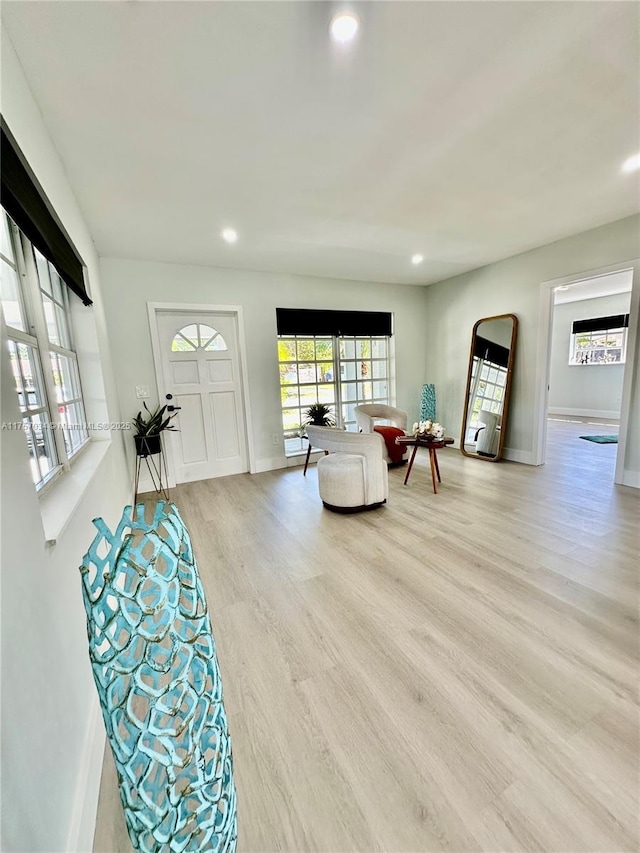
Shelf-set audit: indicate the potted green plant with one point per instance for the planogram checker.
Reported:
(320, 415)
(149, 428)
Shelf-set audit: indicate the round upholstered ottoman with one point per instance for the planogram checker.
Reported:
(341, 483)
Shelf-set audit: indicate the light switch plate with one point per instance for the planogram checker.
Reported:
(142, 391)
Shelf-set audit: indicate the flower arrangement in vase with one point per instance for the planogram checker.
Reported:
(428, 430)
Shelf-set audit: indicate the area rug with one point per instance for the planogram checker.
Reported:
(601, 439)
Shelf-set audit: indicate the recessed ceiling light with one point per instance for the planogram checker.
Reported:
(229, 235)
(344, 26)
(632, 164)
(417, 259)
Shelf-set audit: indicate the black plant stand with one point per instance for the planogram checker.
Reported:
(156, 463)
(306, 461)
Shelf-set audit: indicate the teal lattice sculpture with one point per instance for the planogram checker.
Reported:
(428, 403)
(154, 663)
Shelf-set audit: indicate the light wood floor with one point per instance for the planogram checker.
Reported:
(450, 672)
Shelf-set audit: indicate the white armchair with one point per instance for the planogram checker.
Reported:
(488, 435)
(368, 415)
(354, 476)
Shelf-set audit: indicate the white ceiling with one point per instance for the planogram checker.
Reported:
(592, 288)
(465, 131)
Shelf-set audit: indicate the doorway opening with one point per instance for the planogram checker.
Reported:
(588, 325)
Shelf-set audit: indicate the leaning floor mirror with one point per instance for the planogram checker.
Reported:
(486, 405)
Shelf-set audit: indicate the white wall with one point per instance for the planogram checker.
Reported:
(584, 389)
(129, 285)
(49, 786)
(512, 286)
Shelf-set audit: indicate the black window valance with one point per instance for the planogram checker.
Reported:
(26, 203)
(304, 321)
(601, 324)
(489, 351)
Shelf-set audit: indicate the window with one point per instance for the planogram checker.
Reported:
(197, 336)
(488, 380)
(600, 346)
(36, 307)
(341, 372)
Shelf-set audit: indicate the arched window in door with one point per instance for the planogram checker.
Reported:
(197, 336)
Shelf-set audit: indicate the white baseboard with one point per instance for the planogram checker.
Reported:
(631, 478)
(525, 457)
(145, 483)
(278, 462)
(85, 808)
(269, 465)
(584, 413)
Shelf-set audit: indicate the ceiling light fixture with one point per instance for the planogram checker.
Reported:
(229, 235)
(417, 259)
(344, 26)
(632, 164)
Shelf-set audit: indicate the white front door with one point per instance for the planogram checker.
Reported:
(201, 372)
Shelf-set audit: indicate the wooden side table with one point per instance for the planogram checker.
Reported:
(417, 441)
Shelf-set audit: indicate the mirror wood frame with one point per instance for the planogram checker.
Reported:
(507, 388)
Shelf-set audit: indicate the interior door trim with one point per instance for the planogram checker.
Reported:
(156, 308)
(543, 363)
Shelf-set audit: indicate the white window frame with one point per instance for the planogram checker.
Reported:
(294, 445)
(573, 347)
(490, 393)
(37, 337)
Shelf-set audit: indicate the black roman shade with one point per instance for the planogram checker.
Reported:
(301, 321)
(489, 351)
(601, 324)
(25, 202)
